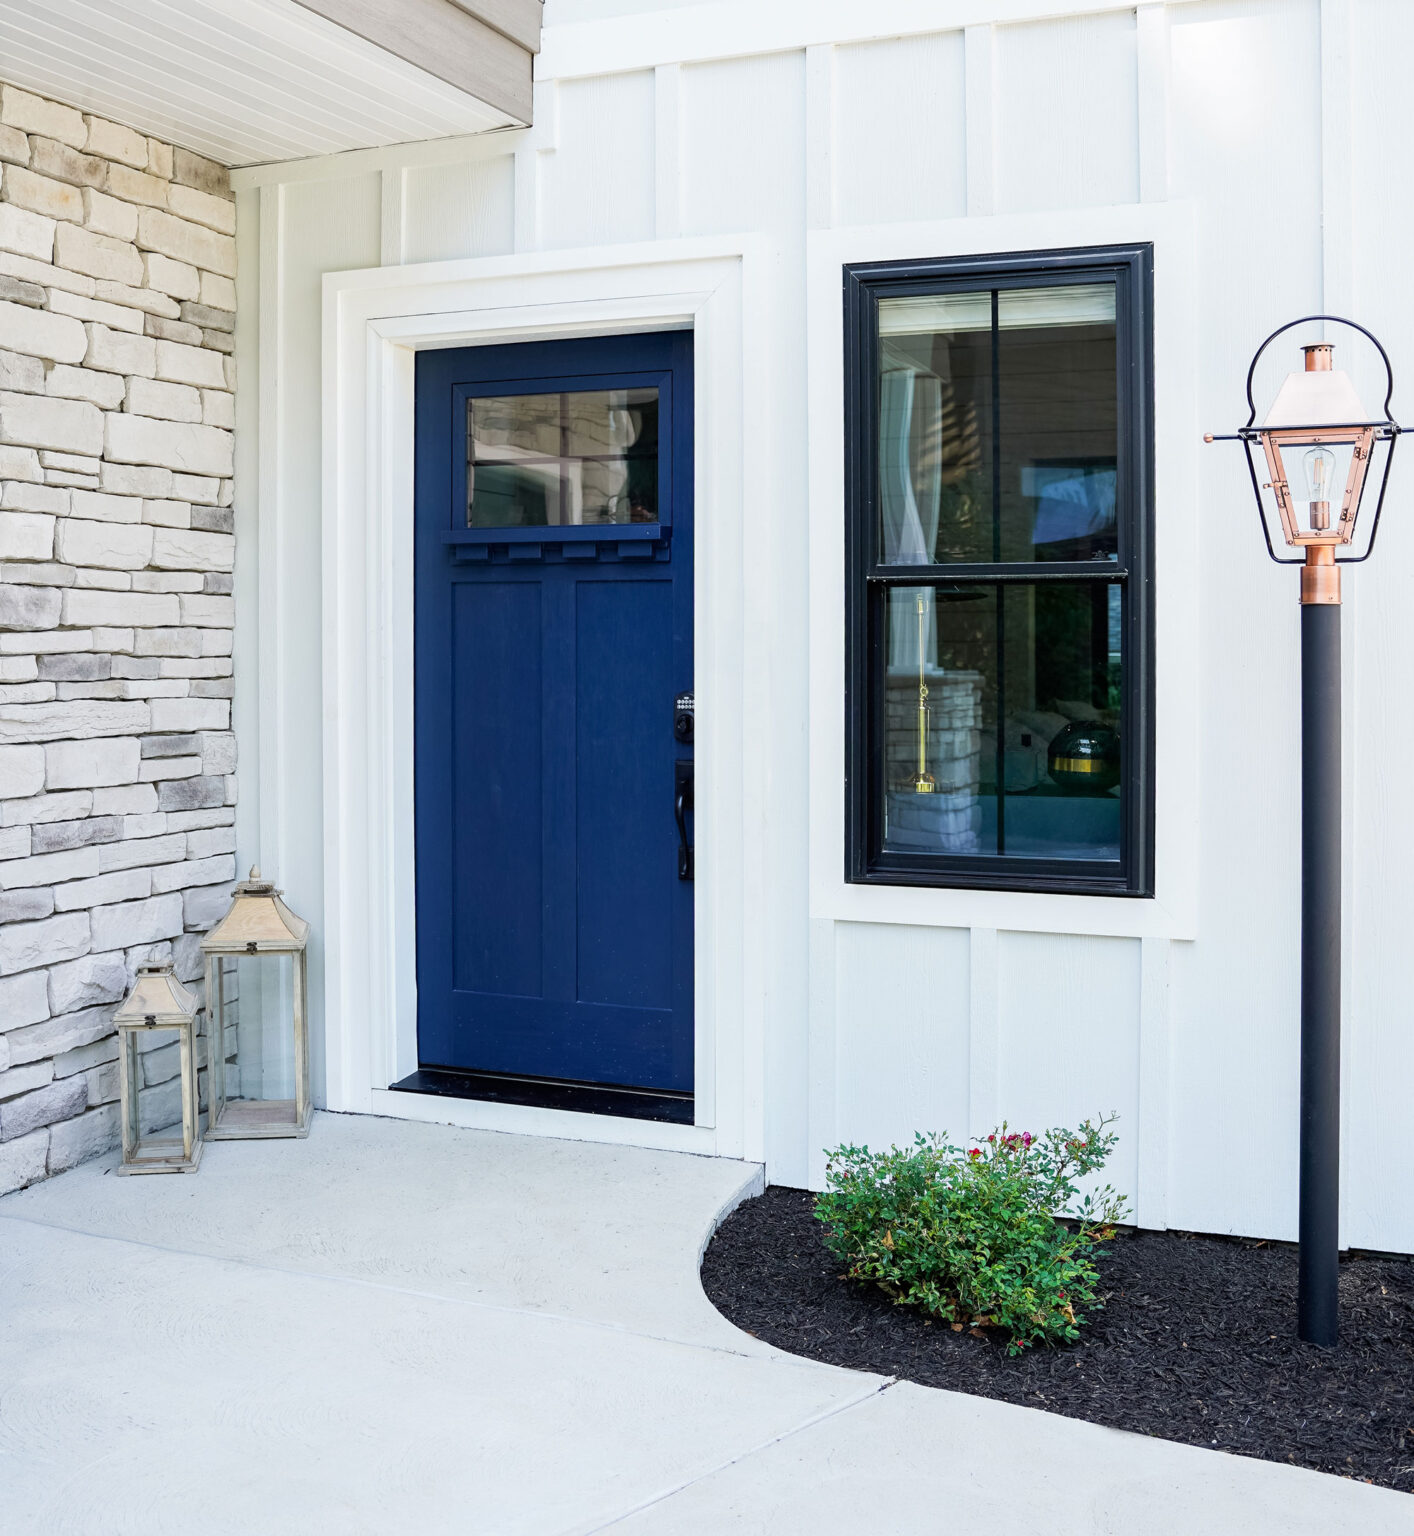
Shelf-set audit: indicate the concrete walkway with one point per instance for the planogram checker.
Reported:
(403, 1328)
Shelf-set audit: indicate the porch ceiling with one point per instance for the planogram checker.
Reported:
(249, 81)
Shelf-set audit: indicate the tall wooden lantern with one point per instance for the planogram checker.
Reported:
(157, 1002)
(260, 925)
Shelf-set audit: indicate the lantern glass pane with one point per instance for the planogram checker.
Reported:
(998, 426)
(259, 1015)
(159, 1089)
(1315, 472)
(1001, 720)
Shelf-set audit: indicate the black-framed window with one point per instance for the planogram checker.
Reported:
(998, 430)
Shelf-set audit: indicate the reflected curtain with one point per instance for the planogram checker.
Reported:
(910, 496)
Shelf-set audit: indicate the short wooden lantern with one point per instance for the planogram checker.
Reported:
(157, 1001)
(258, 923)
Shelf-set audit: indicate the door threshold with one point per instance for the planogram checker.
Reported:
(551, 1093)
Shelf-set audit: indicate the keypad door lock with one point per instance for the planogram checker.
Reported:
(683, 716)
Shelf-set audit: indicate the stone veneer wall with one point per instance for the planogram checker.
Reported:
(117, 836)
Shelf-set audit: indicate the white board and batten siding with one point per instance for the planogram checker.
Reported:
(1232, 125)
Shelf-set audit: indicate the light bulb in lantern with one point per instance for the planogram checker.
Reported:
(1319, 464)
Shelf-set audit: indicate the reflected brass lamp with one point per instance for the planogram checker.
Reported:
(258, 924)
(924, 783)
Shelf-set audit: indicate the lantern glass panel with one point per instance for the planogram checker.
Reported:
(159, 1084)
(1308, 465)
(1316, 476)
(258, 994)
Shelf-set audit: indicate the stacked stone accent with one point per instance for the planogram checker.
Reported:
(117, 838)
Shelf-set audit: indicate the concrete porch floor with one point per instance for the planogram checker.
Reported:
(395, 1327)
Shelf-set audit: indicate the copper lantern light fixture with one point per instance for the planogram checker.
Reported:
(1312, 461)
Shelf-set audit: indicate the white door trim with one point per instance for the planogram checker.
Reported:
(375, 322)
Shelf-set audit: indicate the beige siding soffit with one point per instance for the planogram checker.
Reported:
(444, 39)
(520, 20)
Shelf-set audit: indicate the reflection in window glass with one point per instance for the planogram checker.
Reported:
(584, 457)
(1001, 720)
(998, 423)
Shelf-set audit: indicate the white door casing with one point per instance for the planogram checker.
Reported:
(375, 322)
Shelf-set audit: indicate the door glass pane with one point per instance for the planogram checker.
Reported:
(1001, 720)
(998, 426)
(583, 457)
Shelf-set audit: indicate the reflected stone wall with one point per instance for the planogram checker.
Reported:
(949, 820)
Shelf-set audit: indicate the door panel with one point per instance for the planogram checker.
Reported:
(496, 774)
(624, 759)
(553, 633)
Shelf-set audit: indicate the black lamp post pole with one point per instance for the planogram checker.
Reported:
(1318, 1286)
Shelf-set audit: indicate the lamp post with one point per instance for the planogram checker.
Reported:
(1317, 427)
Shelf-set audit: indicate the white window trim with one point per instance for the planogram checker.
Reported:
(375, 322)
(1172, 911)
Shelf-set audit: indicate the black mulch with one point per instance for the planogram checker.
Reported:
(1196, 1341)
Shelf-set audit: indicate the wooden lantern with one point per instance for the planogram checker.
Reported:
(157, 1001)
(258, 923)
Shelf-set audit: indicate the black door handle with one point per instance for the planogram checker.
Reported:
(682, 804)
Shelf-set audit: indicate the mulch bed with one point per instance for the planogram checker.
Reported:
(1196, 1341)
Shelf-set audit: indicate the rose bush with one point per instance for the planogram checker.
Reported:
(974, 1236)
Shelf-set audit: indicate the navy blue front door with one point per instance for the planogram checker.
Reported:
(553, 589)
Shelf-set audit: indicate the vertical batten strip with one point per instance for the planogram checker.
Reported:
(1338, 298)
(824, 1055)
(1155, 1058)
(979, 63)
(246, 707)
(275, 776)
(984, 1031)
(393, 216)
(820, 178)
(667, 151)
(542, 139)
(275, 781)
(1337, 159)
(1154, 64)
